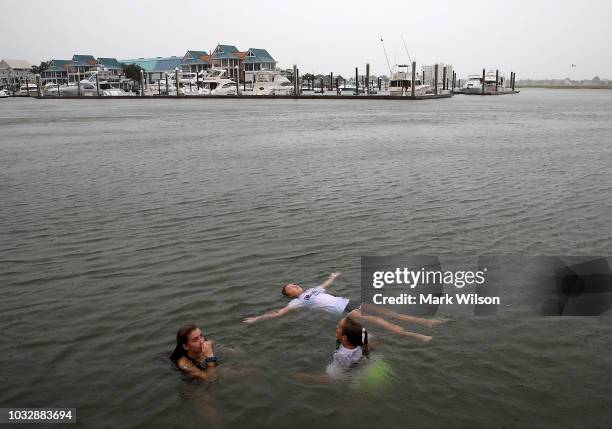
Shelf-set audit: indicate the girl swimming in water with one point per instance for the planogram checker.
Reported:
(194, 354)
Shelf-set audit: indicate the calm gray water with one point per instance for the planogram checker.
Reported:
(122, 220)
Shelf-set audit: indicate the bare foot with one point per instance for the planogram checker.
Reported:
(419, 337)
(426, 339)
(432, 323)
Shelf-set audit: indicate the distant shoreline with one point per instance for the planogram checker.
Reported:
(535, 85)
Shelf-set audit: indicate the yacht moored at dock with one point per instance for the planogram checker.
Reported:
(271, 83)
(215, 83)
(401, 83)
(28, 89)
(494, 83)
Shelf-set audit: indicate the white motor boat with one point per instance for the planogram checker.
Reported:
(3, 93)
(474, 84)
(51, 88)
(188, 84)
(112, 89)
(401, 83)
(215, 83)
(86, 88)
(28, 89)
(271, 83)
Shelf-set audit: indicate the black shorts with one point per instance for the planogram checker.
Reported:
(351, 306)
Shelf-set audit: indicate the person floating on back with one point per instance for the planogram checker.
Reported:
(318, 298)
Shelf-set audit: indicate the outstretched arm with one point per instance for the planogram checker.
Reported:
(270, 315)
(333, 276)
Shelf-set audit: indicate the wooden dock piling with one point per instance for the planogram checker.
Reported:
(444, 83)
(496, 78)
(435, 79)
(413, 79)
(367, 79)
(299, 88)
(356, 81)
(97, 85)
(482, 91)
(237, 81)
(141, 83)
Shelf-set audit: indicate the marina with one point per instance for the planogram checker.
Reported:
(227, 72)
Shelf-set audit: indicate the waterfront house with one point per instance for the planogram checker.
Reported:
(255, 60)
(80, 65)
(228, 57)
(195, 61)
(156, 68)
(15, 70)
(57, 71)
(111, 67)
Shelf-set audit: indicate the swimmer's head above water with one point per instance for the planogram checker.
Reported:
(350, 333)
(188, 338)
(292, 290)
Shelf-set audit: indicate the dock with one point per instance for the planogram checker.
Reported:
(252, 97)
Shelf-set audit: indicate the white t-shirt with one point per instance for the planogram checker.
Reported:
(317, 298)
(343, 359)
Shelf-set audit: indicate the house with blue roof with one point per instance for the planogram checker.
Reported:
(228, 57)
(57, 72)
(257, 59)
(80, 65)
(156, 68)
(111, 67)
(195, 61)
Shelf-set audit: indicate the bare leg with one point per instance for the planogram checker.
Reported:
(237, 373)
(390, 326)
(375, 309)
(313, 378)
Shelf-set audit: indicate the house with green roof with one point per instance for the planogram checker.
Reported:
(227, 57)
(257, 59)
(80, 65)
(57, 72)
(156, 68)
(195, 61)
(110, 67)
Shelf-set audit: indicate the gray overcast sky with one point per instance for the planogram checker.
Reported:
(536, 39)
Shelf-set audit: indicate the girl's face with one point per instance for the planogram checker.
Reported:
(195, 339)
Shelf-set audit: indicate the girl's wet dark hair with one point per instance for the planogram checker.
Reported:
(355, 334)
(181, 339)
